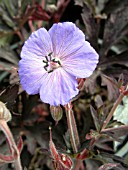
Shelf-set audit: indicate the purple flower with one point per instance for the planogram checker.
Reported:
(51, 61)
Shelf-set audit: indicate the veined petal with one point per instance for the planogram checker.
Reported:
(31, 73)
(38, 45)
(58, 87)
(66, 38)
(81, 63)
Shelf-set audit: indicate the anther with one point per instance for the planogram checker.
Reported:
(50, 55)
(45, 61)
(46, 58)
(50, 71)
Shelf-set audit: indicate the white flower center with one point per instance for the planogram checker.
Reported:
(51, 63)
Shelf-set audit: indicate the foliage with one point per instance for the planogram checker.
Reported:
(105, 24)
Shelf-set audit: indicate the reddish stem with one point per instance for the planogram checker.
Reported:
(31, 25)
(74, 137)
(20, 35)
(14, 150)
(112, 111)
(79, 165)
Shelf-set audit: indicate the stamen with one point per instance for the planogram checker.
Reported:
(50, 55)
(59, 62)
(51, 63)
(50, 71)
(46, 58)
(56, 61)
(45, 67)
(45, 61)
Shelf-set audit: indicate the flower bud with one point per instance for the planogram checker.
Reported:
(60, 161)
(56, 112)
(4, 113)
(65, 162)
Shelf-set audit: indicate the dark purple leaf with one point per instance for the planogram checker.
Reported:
(9, 95)
(91, 84)
(121, 59)
(95, 118)
(116, 71)
(117, 131)
(103, 146)
(30, 141)
(112, 87)
(112, 6)
(116, 159)
(115, 28)
(91, 25)
(98, 101)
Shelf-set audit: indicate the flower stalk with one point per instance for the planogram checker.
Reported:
(74, 137)
(118, 101)
(5, 116)
(13, 148)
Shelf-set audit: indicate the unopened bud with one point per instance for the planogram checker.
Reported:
(56, 112)
(66, 162)
(4, 113)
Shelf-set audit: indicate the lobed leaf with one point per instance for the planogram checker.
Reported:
(91, 26)
(116, 132)
(115, 27)
(95, 118)
(112, 87)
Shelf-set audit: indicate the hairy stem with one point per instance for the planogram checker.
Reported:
(14, 150)
(79, 165)
(112, 111)
(72, 128)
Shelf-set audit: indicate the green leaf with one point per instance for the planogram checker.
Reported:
(6, 18)
(10, 7)
(5, 40)
(3, 75)
(9, 55)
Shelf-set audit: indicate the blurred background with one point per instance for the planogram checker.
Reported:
(105, 24)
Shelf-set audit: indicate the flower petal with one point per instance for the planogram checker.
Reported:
(66, 38)
(81, 63)
(31, 73)
(38, 45)
(58, 87)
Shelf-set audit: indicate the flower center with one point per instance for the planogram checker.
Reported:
(51, 63)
